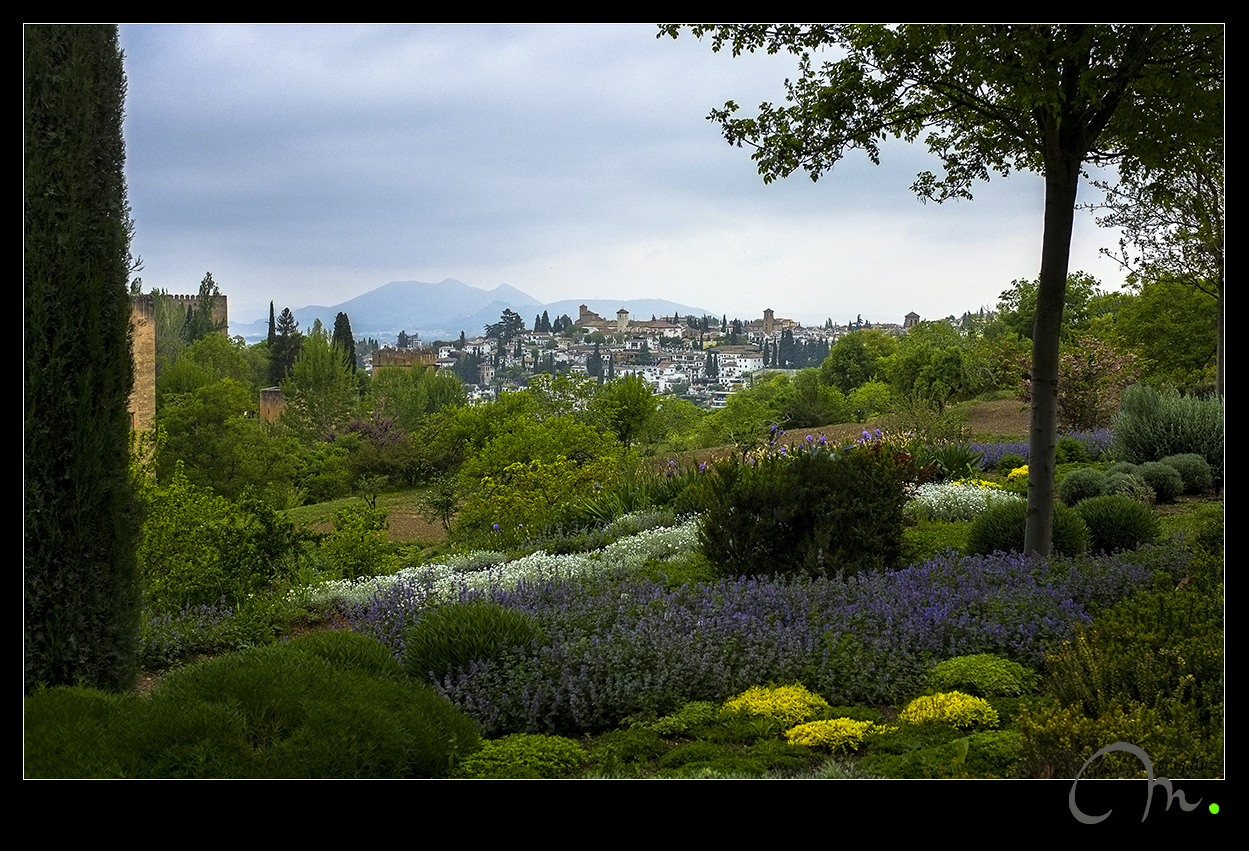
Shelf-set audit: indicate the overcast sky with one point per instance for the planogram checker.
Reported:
(308, 165)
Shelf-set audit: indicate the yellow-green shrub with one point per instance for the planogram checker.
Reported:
(953, 708)
(837, 734)
(789, 705)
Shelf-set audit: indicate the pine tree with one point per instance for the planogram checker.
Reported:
(81, 518)
(286, 347)
(199, 319)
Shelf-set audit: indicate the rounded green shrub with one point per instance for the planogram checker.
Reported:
(1122, 467)
(1164, 479)
(1193, 469)
(1080, 484)
(1010, 462)
(300, 716)
(282, 710)
(525, 755)
(983, 675)
(1002, 529)
(1128, 484)
(350, 651)
(1118, 522)
(69, 732)
(456, 634)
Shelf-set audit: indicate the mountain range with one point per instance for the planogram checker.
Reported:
(441, 311)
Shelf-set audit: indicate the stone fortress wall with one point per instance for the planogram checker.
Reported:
(143, 350)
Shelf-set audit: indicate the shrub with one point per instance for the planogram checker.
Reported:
(1001, 529)
(1010, 462)
(453, 635)
(635, 745)
(1118, 523)
(693, 714)
(1153, 425)
(357, 546)
(930, 538)
(1071, 450)
(1193, 469)
(1157, 647)
(1080, 484)
(789, 705)
(284, 711)
(983, 675)
(1149, 671)
(953, 708)
(525, 755)
(1129, 485)
(350, 651)
(199, 549)
(1164, 479)
(1057, 741)
(838, 734)
(68, 732)
(813, 510)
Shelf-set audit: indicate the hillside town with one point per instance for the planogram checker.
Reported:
(702, 359)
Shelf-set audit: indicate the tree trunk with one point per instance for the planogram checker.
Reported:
(1062, 177)
(1219, 356)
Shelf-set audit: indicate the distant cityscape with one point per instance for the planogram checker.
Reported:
(701, 358)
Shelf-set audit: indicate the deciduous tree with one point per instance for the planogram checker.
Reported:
(1173, 229)
(987, 99)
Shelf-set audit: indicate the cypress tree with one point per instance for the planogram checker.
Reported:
(273, 328)
(343, 339)
(81, 513)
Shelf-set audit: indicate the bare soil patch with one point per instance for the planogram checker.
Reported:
(1007, 418)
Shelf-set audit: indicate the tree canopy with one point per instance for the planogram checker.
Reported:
(1173, 226)
(1040, 98)
(507, 328)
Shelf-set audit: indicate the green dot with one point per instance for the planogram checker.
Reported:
(1214, 809)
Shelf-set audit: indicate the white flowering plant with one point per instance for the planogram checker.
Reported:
(953, 501)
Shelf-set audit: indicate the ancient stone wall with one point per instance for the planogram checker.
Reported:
(143, 350)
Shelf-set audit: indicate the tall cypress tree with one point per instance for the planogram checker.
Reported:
(273, 327)
(81, 518)
(343, 339)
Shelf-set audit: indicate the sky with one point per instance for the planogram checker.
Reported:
(311, 164)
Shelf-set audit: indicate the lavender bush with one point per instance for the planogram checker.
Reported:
(1095, 442)
(619, 646)
(165, 639)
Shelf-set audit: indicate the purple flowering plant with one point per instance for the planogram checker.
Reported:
(620, 646)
